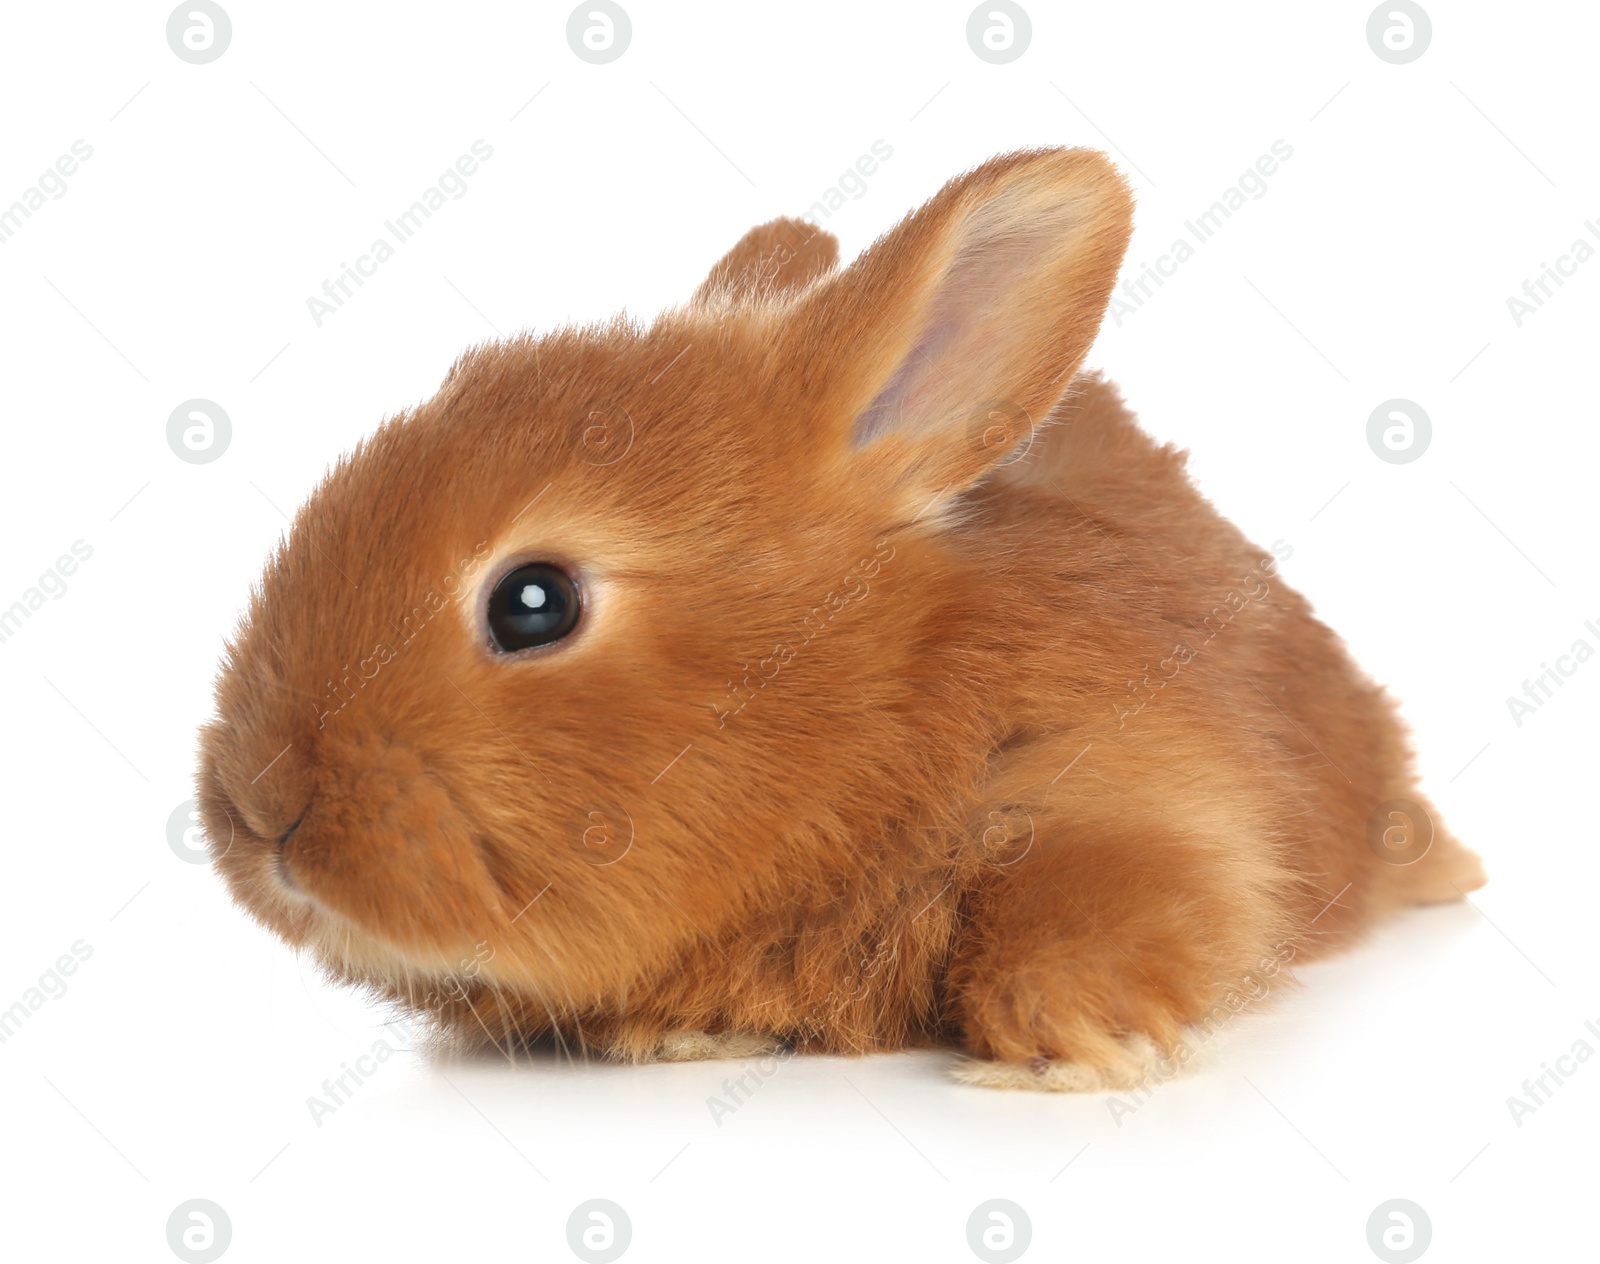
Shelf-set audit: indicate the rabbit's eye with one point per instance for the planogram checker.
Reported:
(533, 605)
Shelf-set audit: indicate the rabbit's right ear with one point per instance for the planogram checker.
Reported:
(933, 356)
(771, 259)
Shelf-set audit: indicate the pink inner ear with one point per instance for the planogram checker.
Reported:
(888, 411)
(968, 337)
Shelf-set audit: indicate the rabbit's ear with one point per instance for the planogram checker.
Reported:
(771, 259)
(939, 350)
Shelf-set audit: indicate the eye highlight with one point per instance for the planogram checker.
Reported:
(535, 604)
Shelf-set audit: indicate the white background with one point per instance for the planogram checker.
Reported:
(1378, 264)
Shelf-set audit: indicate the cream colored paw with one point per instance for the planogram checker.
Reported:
(1142, 1062)
(699, 1046)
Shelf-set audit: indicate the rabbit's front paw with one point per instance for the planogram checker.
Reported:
(1141, 1062)
(701, 1046)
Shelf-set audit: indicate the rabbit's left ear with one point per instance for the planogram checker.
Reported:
(771, 259)
(935, 354)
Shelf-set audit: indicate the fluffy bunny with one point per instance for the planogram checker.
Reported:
(827, 663)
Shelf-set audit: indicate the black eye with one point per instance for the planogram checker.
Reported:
(533, 605)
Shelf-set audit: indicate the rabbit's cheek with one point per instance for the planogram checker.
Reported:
(387, 851)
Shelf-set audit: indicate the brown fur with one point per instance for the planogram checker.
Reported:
(878, 594)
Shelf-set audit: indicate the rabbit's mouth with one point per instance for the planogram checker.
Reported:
(280, 871)
(347, 947)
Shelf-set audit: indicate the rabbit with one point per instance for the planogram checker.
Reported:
(829, 665)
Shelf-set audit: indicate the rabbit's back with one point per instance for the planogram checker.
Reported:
(1170, 673)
